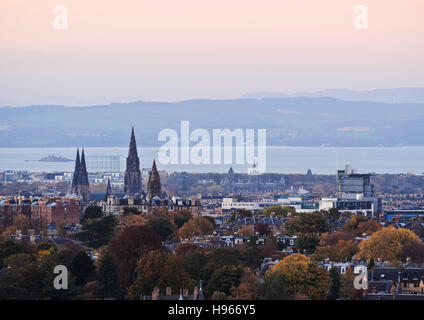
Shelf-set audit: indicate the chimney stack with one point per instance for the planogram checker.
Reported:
(155, 294)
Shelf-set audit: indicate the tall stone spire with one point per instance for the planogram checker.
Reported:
(132, 179)
(76, 172)
(108, 189)
(80, 185)
(154, 187)
(83, 177)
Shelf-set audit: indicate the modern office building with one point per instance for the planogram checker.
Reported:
(355, 193)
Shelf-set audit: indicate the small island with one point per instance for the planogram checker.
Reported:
(53, 158)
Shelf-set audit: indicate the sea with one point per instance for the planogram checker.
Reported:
(284, 160)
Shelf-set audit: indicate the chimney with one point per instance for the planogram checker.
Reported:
(195, 293)
(155, 294)
(168, 291)
(31, 235)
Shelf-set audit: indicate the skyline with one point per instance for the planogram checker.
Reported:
(173, 51)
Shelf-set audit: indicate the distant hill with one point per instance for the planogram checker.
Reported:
(289, 121)
(396, 95)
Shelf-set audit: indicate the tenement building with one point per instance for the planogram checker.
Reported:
(39, 211)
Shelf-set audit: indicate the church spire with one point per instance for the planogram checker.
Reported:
(132, 179)
(154, 187)
(108, 189)
(83, 177)
(76, 172)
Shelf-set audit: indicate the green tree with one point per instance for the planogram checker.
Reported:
(314, 222)
(163, 227)
(8, 248)
(335, 284)
(82, 268)
(278, 211)
(91, 212)
(223, 279)
(182, 217)
(97, 232)
(307, 243)
(108, 278)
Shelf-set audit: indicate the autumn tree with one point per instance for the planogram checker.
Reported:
(248, 289)
(196, 227)
(129, 247)
(158, 269)
(182, 249)
(303, 277)
(413, 251)
(387, 244)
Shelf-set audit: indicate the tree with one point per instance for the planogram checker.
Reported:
(335, 284)
(7, 248)
(307, 243)
(82, 268)
(163, 227)
(248, 289)
(263, 229)
(97, 232)
(302, 277)
(196, 227)
(130, 210)
(352, 224)
(347, 291)
(387, 244)
(307, 223)
(273, 287)
(181, 217)
(413, 251)
(278, 211)
(21, 222)
(91, 212)
(129, 247)
(223, 279)
(158, 269)
(108, 278)
(182, 249)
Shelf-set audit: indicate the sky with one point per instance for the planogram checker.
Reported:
(171, 50)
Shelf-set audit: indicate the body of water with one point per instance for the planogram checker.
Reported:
(321, 160)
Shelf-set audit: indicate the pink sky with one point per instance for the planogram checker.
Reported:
(172, 50)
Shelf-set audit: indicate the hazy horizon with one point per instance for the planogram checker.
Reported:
(173, 51)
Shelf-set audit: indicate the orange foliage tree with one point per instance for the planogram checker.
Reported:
(387, 244)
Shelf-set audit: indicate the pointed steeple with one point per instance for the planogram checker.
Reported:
(132, 152)
(83, 177)
(132, 179)
(154, 187)
(108, 189)
(76, 173)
